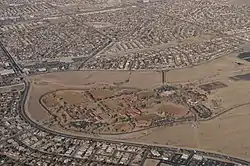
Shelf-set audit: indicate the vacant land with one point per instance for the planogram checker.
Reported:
(227, 133)
(240, 2)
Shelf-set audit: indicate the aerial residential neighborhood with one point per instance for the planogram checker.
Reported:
(128, 83)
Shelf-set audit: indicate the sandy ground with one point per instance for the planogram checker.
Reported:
(240, 2)
(151, 162)
(228, 133)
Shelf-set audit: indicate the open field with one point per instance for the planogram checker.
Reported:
(209, 135)
(240, 2)
(228, 134)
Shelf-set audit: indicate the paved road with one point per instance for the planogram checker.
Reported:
(47, 130)
(53, 132)
(16, 67)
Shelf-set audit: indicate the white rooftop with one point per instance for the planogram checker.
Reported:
(7, 72)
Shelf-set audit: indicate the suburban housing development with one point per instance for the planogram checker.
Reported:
(125, 82)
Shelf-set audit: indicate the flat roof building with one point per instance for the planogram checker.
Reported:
(7, 72)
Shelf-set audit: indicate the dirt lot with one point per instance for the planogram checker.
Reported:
(172, 109)
(228, 133)
(240, 2)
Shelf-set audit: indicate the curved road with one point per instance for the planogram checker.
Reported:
(48, 130)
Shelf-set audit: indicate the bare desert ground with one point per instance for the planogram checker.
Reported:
(227, 133)
(240, 2)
